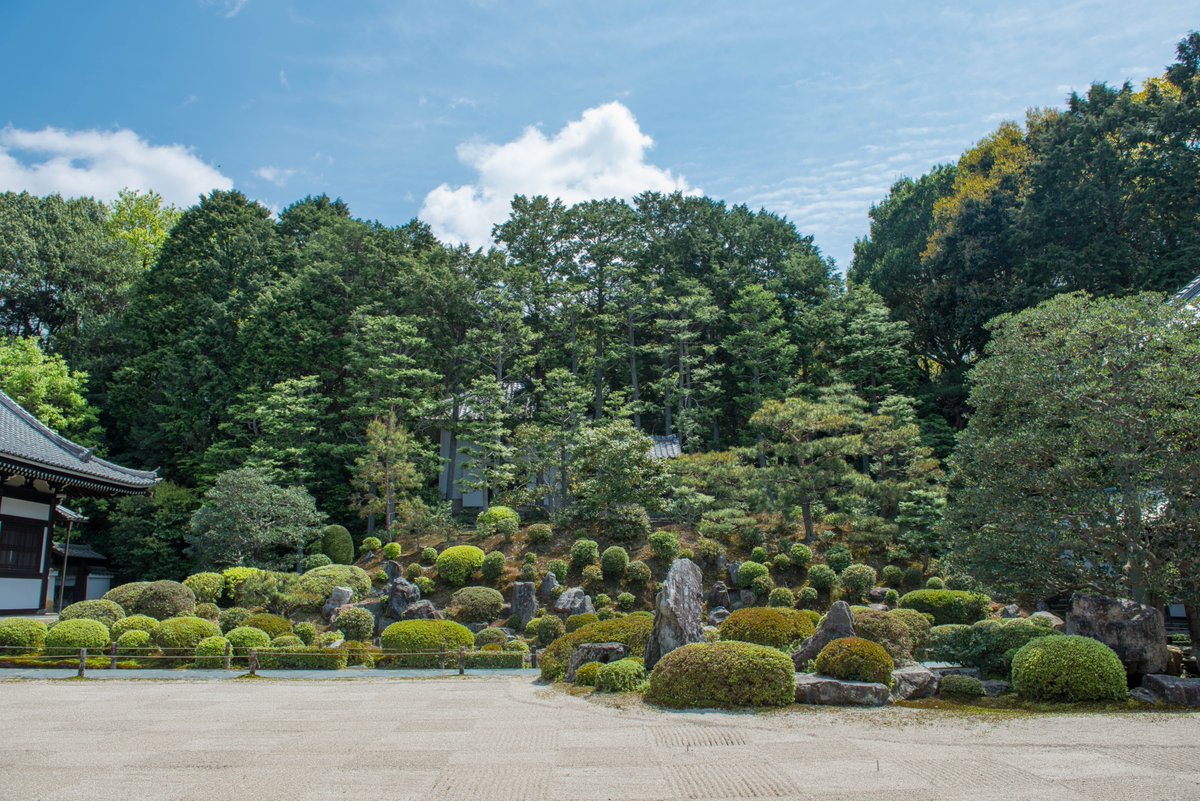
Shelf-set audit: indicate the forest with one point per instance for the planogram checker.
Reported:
(315, 359)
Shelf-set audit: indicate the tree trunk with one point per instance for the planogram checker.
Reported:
(633, 374)
(1192, 611)
(806, 509)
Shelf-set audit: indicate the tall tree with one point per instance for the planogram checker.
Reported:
(48, 389)
(142, 221)
(386, 475)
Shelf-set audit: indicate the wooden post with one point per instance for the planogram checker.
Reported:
(442, 657)
(253, 661)
(462, 661)
(82, 663)
(228, 654)
(112, 659)
(533, 658)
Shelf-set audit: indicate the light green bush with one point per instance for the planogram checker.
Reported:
(576, 622)
(425, 637)
(501, 520)
(961, 687)
(947, 606)
(782, 597)
(307, 632)
(621, 676)
(246, 638)
(1066, 668)
(134, 643)
(457, 564)
(370, 544)
(126, 595)
(178, 634)
(613, 562)
(391, 551)
(210, 652)
(856, 659)
(545, 629)
(770, 626)
(665, 545)
(232, 617)
(540, 532)
(584, 552)
(207, 587)
(633, 631)
(476, 605)
(857, 580)
(66, 637)
(319, 583)
(273, 625)
(586, 675)
(106, 612)
(625, 601)
(723, 675)
(493, 565)
(21, 637)
(490, 636)
(749, 571)
(357, 623)
(838, 558)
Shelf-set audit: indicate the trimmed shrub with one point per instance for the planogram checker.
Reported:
(21, 637)
(235, 577)
(626, 522)
(165, 599)
(1065, 668)
(545, 629)
(857, 580)
(914, 578)
(210, 652)
(307, 632)
(800, 555)
(773, 627)
(515, 645)
(781, 562)
(106, 612)
(559, 568)
(961, 687)
(665, 545)
(947, 606)
(320, 582)
(356, 623)
(379, 577)
(476, 605)
(66, 637)
(890, 632)
(621, 676)
(493, 566)
(490, 636)
(415, 643)
(918, 628)
(638, 573)
(429, 556)
(856, 659)
(501, 520)
(935, 583)
(494, 659)
(822, 578)
(592, 577)
(576, 622)
(391, 551)
(208, 611)
(413, 570)
(632, 630)
(232, 617)
(245, 638)
(207, 587)
(602, 601)
(758, 554)
(287, 641)
(424, 584)
(585, 676)
(273, 625)
(994, 642)
(807, 597)
(783, 597)
(950, 643)
(723, 675)
(178, 634)
(337, 544)
(761, 587)
(134, 642)
(584, 552)
(749, 571)
(529, 572)
(304, 658)
(540, 532)
(891, 576)
(458, 563)
(625, 601)
(839, 558)
(891, 598)
(126, 595)
(370, 544)
(613, 562)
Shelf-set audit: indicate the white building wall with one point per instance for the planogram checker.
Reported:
(20, 593)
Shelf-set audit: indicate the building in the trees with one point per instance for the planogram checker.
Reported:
(38, 471)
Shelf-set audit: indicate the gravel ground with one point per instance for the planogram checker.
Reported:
(508, 739)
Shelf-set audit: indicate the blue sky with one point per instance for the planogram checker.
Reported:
(445, 109)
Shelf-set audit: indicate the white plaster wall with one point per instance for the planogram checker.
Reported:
(20, 593)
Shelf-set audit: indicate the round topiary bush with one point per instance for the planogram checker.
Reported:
(493, 566)
(891, 576)
(625, 601)
(935, 583)
(457, 564)
(545, 629)
(950, 643)
(633, 631)
(584, 552)
(626, 522)
(106, 612)
(179, 634)
(425, 585)
(126, 595)
(307, 632)
(210, 653)
(476, 605)
(947, 606)
(232, 617)
(822, 578)
(918, 628)
(800, 555)
(490, 636)
(245, 638)
(638, 573)
(207, 611)
(586, 675)
(273, 625)
(856, 659)
(576, 622)
(770, 626)
(891, 598)
(207, 587)
(515, 645)
(613, 562)
(320, 582)
(961, 687)
(857, 580)
(21, 637)
(502, 520)
(782, 597)
(540, 532)
(429, 556)
(723, 675)
(134, 642)
(411, 572)
(426, 638)
(602, 601)
(357, 623)
(66, 637)
(337, 544)
(165, 599)
(1065, 668)
(287, 641)
(993, 643)
(592, 578)
(665, 545)
(391, 550)
(781, 562)
(370, 544)
(749, 571)
(888, 631)
(621, 676)
(839, 558)
(762, 586)
(807, 597)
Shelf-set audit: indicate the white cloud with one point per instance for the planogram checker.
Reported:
(600, 155)
(276, 175)
(101, 163)
(283, 79)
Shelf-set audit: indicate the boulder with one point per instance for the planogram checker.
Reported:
(546, 591)
(733, 573)
(838, 623)
(943, 669)
(878, 607)
(678, 611)
(602, 652)
(826, 691)
(1144, 695)
(719, 596)
(1056, 622)
(339, 597)
(1010, 611)
(911, 682)
(422, 610)
(393, 569)
(717, 616)
(995, 687)
(1175, 658)
(877, 595)
(402, 594)
(574, 602)
(1134, 631)
(1172, 689)
(524, 602)
(747, 598)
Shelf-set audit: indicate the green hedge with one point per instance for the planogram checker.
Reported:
(947, 606)
(312, 657)
(621, 676)
(106, 612)
(492, 659)
(772, 626)
(162, 600)
(320, 581)
(399, 640)
(19, 637)
(134, 623)
(183, 633)
(457, 564)
(207, 587)
(476, 604)
(856, 659)
(68, 636)
(576, 622)
(723, 675)
(1067, 668)
(633, 631)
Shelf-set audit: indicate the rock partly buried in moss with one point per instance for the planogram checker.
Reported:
(632, 631)
(829, 691)
(723, 675)
(1068, 668)
(600, 653)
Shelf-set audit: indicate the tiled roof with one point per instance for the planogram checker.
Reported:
(665, 447)
(1191, 291)
(31, 449)
(80, 550)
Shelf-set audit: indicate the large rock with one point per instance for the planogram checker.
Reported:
(422, 610)
(1010, 611)
(733, 568)
(602, 652)
(718, 596)
(549, 582)
(524, 602)
(877, 595)
(574, 602)
(911, 682)
(1172, 689)
(993, 688)
(678, 611)
(393, 569)
(838, 623)
(1056, 622)
(339, 597)
(827, 691)
(1134, 631)
(717, 616)
(402, 594)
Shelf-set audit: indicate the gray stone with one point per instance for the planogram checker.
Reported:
(943, 669)
(717, 616)
(838, 623)
(678, 611)
(1134, 631)
(574, 602)
(911, 682)
(1056, 622)
(602, 652)
(422, 610)
(1175, 658)
(1010, 611)
(524, 602)
(402, 594)
(1173, 690)
(747, 598)
(393, 569)
(549, 582)
(878, 607)
(877, 595)
(733, 573)
(719, 596)
(475, 628)
(995, 687)
(826, 691)
(339, 597)
(1144, 695)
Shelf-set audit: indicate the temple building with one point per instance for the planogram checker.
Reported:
(39, 471)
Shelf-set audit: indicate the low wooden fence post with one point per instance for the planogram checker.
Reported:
(533, 658)
(442, 657)
(82, 663)
(462, 661)
(253, 661)
(228, 654)
(112, 658)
